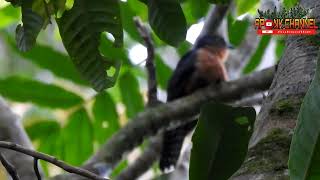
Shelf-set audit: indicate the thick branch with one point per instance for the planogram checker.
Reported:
(50, 159)
(143, 162)
(152, 120)
(214, 19)
(256, 99)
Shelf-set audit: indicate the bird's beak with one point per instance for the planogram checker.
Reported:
(230, 46)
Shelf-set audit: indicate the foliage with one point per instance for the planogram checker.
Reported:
(46, 57)
(167, 20)
(305, 150)
(105, 117)
(82, 25)
(25, 90)
(243, 6)
(256, 58)
(229, 129)
(294, 12)
(89, 20)
(289, 3)
(79, 146)
(219, 1)
(130, 94)
(237, 29)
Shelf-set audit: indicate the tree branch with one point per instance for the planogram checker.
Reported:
(152, 120)
(144, 161)
(256, 99)
(151, 70)
(50, 159)
(214, 19)
(36, 168)
(9, 167)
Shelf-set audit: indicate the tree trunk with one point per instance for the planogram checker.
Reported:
(270, 143)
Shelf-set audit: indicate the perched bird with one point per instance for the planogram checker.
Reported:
(198, 68)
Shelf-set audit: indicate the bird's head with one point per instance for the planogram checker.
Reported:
(215, 44)
(214, 41)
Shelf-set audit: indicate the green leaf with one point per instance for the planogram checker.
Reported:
(105, 117)
(256, 58)
(52, 145)
(219, 1)
(56, 62)
(187, 11)
(80, 30)
(237, 30)
(127, 15)
(163, 72)
(109, 51)
(27, 34)
(167, 20)
(26, 90)
(199, 8)
(119, 168)
(78, 138)
(290, 3)
(47, 135)
(14, 3)
(220, 141)
(280, 49)
(42, 129)
(304, 156)
(139, 8)
(243, 6)
(184, 48)
(130, 94)
(8, 16)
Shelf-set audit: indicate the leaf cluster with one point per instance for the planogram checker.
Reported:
(283, 13)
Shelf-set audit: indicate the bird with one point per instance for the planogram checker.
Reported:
(199, 67)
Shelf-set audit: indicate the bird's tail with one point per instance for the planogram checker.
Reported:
(172, 144)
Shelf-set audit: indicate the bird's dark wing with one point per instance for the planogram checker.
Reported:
(195, 70)
(177, 87)
(172, 145)
(181, 76)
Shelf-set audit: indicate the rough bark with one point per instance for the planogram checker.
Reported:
(269, 147)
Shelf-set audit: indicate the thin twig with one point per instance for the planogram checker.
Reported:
(9, 167)
(51, 159)
(47, 11)
(36, 168)
(151, 70)
(150, 155)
